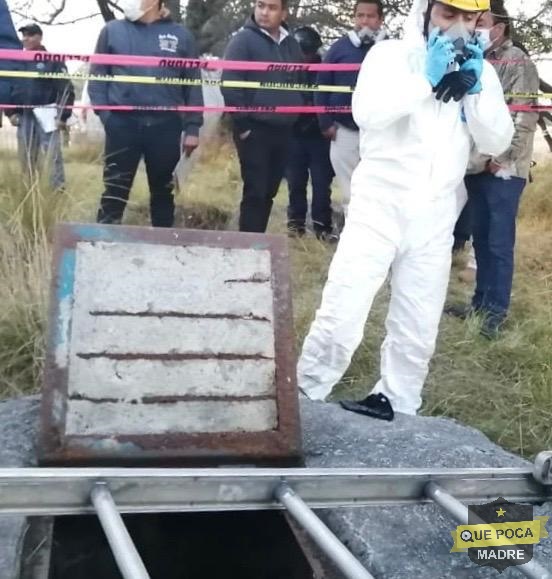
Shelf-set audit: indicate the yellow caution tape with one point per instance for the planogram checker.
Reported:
(256, 85)
(174, 81)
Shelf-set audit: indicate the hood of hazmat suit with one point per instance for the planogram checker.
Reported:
(409, 139)
(414, 152)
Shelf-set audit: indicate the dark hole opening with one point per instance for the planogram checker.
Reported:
(234, 545)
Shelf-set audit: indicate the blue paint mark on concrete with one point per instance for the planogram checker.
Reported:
(66, 274)
(95, 232)
(64, 296)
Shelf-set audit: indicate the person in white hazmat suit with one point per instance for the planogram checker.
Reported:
(421, 103)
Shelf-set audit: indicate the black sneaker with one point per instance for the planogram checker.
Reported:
(327, 237)
(375, 405)
(491, 326)
(460, 311)
(295, 230)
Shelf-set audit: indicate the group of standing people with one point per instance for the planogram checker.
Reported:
(426, 111)
(273, 146)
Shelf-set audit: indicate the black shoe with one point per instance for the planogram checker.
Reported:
(375, 405)
(492, 326)
(327, 237)
(295, 230)
(460, 311)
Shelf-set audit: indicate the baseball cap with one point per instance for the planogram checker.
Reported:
(31, 29)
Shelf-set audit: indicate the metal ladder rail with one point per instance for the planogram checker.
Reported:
(66, 491)
(132, 567)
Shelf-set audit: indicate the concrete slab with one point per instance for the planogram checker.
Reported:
(169, 346)
(401, 542)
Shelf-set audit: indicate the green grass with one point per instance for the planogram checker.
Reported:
(503, 388)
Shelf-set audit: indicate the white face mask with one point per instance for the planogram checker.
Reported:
(484, 37)
(132, 9)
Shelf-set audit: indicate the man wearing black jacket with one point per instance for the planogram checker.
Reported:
(262, 138)
(147, 30)
(39, 128)
(310, 154)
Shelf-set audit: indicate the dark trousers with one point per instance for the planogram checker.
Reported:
(463, 227)
(310, 155)
(127, 140)
(263, 156)
(494, 203)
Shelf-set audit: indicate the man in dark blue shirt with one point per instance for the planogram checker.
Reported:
(341, 128)
(147, 30)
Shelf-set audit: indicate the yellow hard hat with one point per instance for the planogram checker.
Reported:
(468, 5)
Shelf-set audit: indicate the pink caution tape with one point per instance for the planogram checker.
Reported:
(184, 63)
(162, 62)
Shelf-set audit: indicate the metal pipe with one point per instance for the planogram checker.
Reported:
(459, 512)
(128, 559)
(321, 535)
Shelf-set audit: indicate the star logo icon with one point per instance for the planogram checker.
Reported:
(501, 512)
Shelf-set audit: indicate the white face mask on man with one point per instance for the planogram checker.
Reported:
(132, 9)
(484, 37)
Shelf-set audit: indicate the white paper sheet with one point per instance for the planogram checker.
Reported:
(47, 116)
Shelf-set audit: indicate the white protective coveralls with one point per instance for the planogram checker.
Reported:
(414, 153)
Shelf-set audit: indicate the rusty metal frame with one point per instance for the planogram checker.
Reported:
(277, 447)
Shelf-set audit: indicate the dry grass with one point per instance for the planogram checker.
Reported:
(503, 388)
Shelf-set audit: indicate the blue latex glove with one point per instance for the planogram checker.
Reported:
(440, 55)
(474, 65)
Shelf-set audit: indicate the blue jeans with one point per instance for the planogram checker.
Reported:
(40, 151)
(494, 203)
(310, 155)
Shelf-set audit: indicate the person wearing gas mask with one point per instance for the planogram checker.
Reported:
(495, 184)
(420, 103)
(340, 128)
(155, 136)
(309, 153)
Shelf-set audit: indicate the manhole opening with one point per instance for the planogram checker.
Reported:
(234, 545)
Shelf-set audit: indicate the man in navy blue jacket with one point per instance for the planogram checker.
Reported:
(155, 135)
(341, 128)
(8, 39)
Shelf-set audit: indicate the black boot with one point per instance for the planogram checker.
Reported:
(375, 405)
